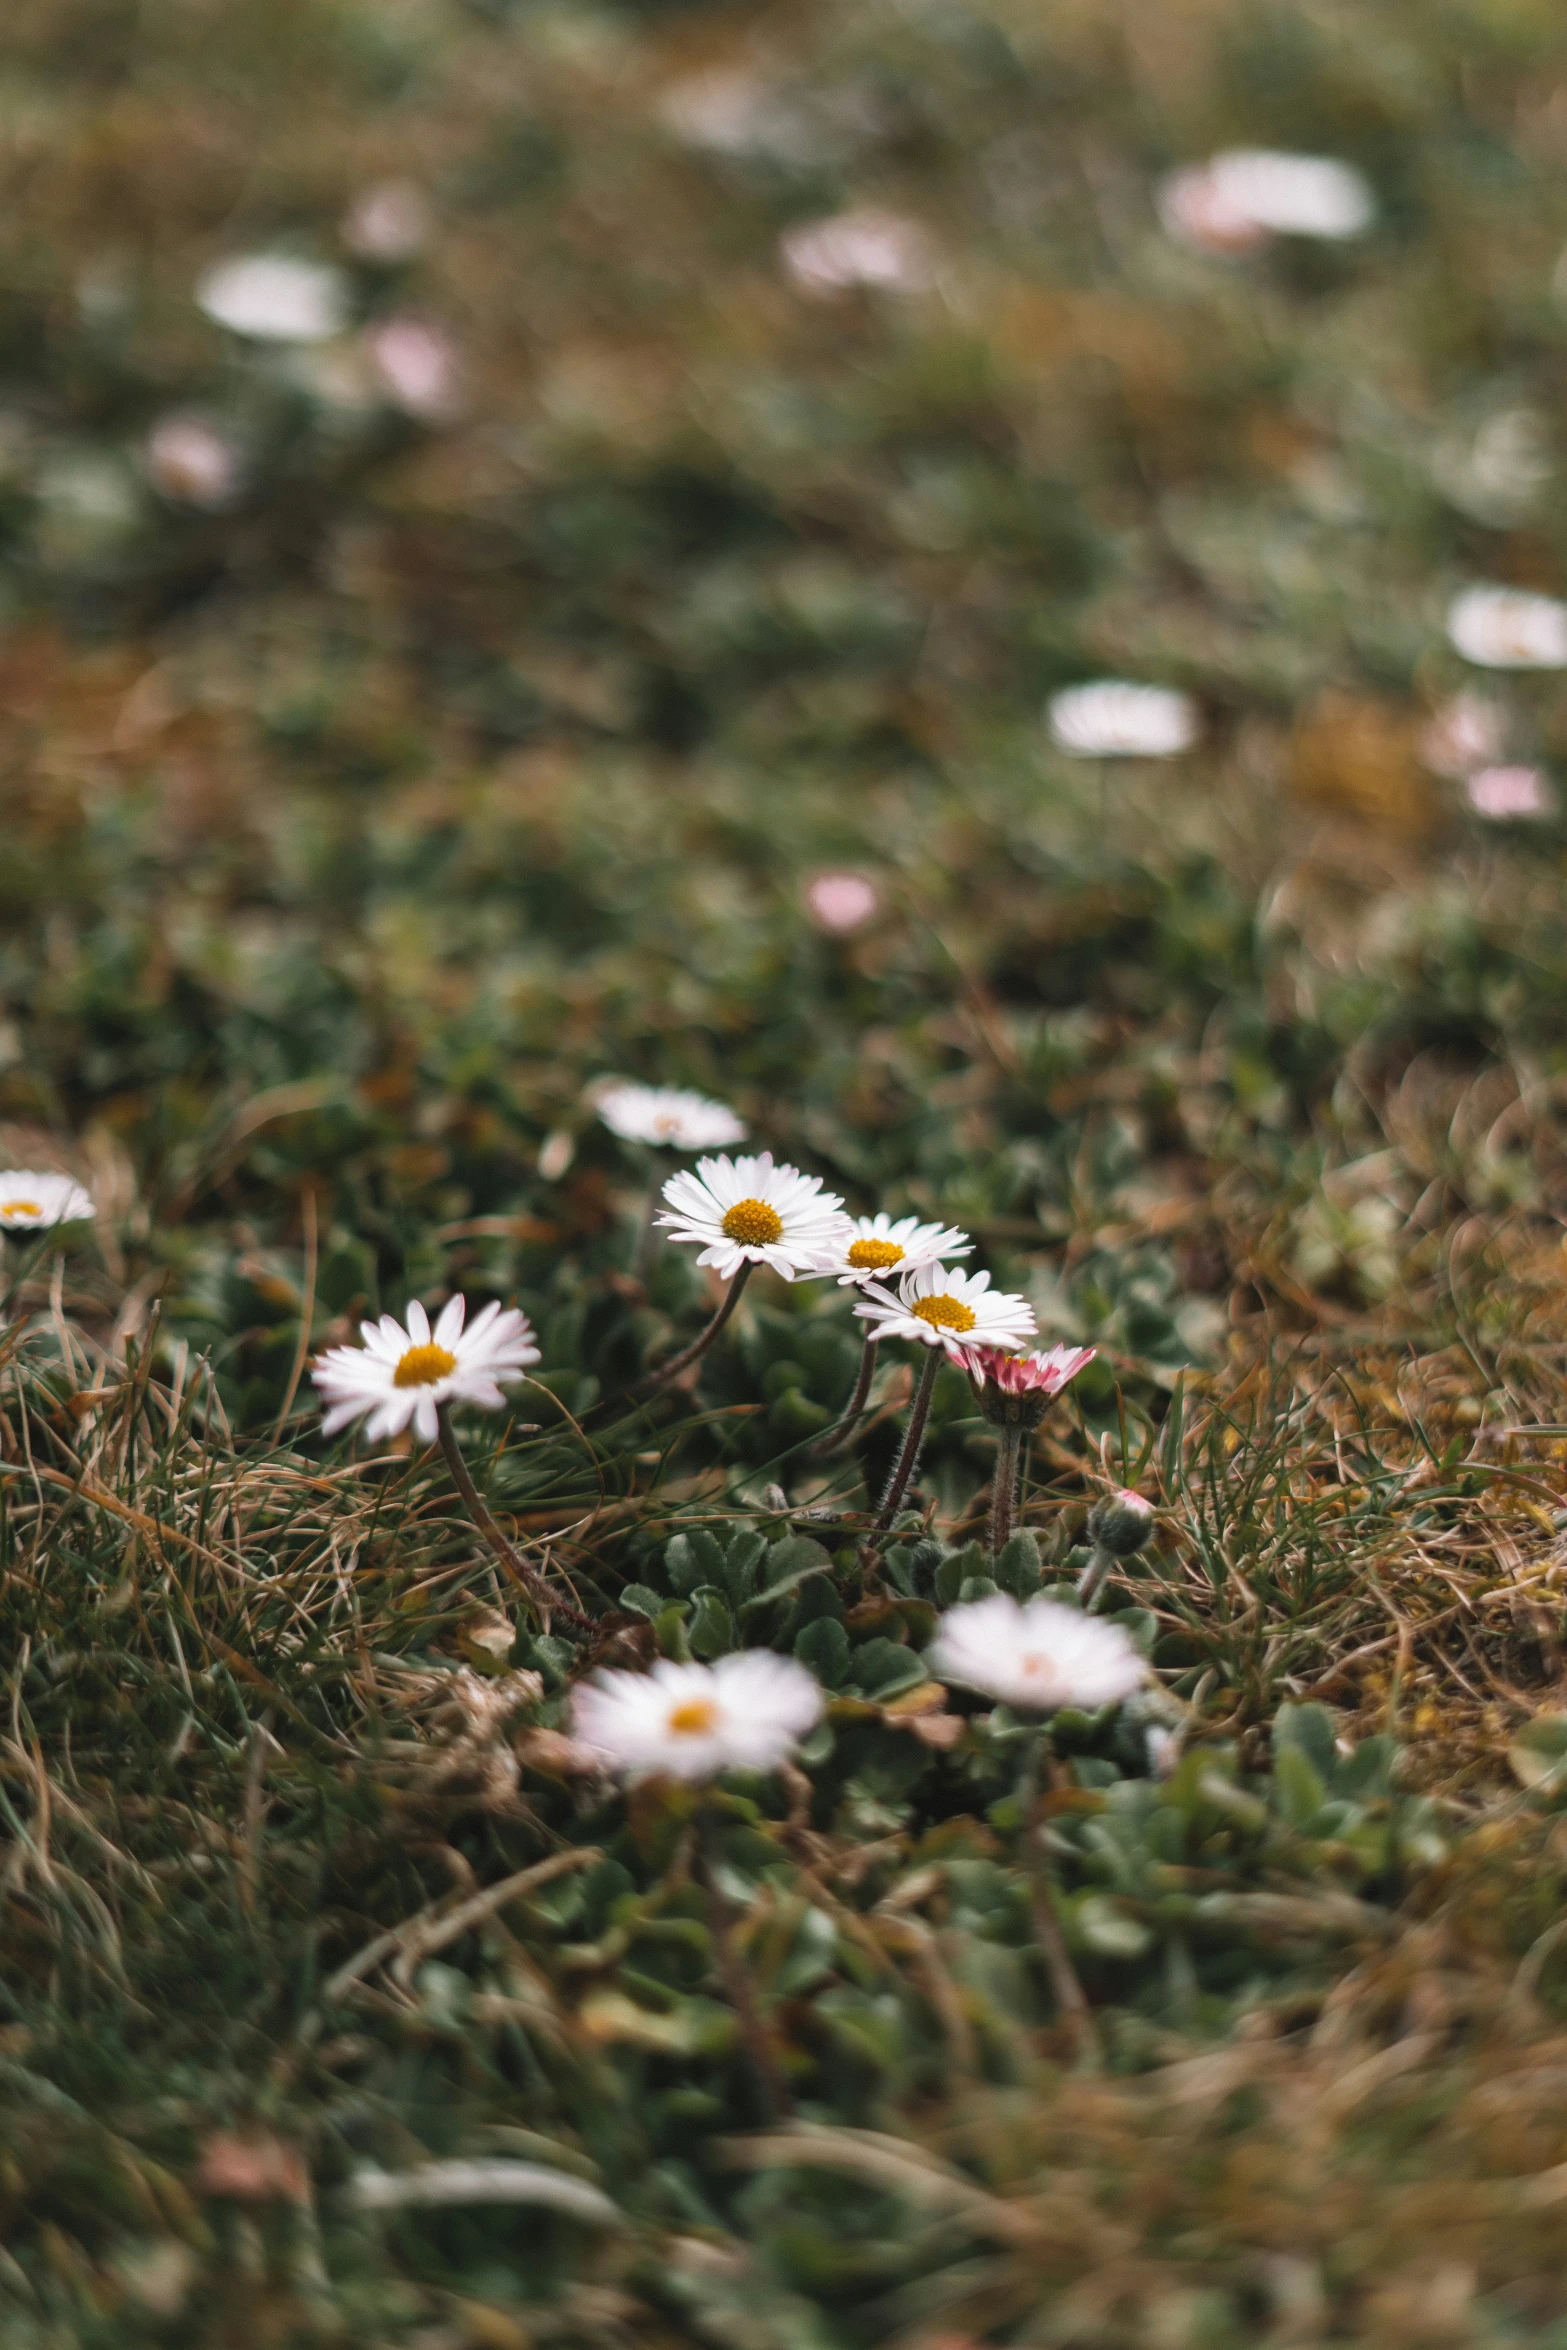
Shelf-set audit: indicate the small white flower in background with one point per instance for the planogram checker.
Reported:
(734, 114)
(866, 248)
(273, 298)
(1502, 792)
(746, 1712)
(873, 1245)
(747, 1211)
(1466, 733)
(402, 1373)
(1111, 719)
(388, 221)
(32, 1203)
(842, 901)
(665, 1115)
(190, 462)
(1508, 628)
(1035, 1655)
(417, 364)
(944, 1306)
(1239, 197)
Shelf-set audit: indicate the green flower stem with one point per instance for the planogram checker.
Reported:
(913, 1440)
(1091, 1582)
(838, 1435)
(524, 1576)
(735, 1977)
(699, 1345)
(1003, 1488)
(1071, 1999)
(647, 1230)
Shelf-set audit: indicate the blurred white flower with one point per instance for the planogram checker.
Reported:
(746, 1712)
(1502, 792)
(417, 364)
(1465, 733)
(872, 1245)
(31, 1202)
(747, 1211)
(1036, 1655)
(1110, 719)
(274, 298)
(734, 114)
(943, 1306)
(402, 1373)
(1246, 193)
(865, 248)
(1508, 628)
(842, 901)
(193, 464)
(665, 1115)
(388, 221)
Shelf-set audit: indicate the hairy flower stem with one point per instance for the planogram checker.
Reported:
(838, 1435)
(524, 1576)
(1070, 1998)
(699, 1345)
(1091, 1582)
(735, 1978)
(1003, 1487)
(908, 1459)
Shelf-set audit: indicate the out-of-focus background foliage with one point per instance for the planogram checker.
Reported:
(405, 724)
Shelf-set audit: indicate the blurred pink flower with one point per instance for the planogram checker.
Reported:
(418, 365)
(1466, 733)
(189, 461)
(1500, 792)
(842, 901)
(1237, 199)
(865, 248)
(389, 221)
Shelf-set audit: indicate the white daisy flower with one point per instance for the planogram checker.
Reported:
(865, 248)
(402, 1373)
(747, 1211)
(1246, 193)
(875, 1244)
(1036, 1655)
(274, 298)
(746, 1712)
(1506, 792)
(944, 1306)
(664, 1115)
(1508, 628)
(1111, 719)
(33, 1203)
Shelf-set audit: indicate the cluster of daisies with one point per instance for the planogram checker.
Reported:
(737, 1213)
(751, 1711)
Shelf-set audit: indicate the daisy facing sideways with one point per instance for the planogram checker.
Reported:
(1035, 1656)
(33, 1203)
(404, 1374)
(943, 1306)
(746, 1712)
(749, 1212)
(873, 1245)
(667, 1117)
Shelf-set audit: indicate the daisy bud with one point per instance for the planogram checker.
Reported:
(1121, 1523)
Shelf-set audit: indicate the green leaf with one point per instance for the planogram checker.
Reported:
(712, 1627)
(1538, 1755)
(1017, 1568)
(1307, 1730)
(1107, 1930)
(824, 1647)
(882, 1667)
(642, 1602)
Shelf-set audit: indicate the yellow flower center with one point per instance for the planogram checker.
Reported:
(424, 1366)
(869, 1256)
(753, 1224)
(695, 1718)
(943, 1313)
(21, 1207)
